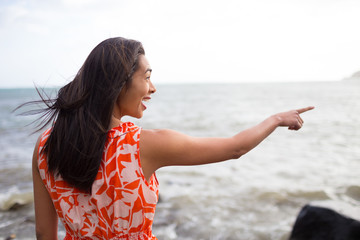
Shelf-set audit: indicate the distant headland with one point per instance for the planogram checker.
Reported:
(355, 76)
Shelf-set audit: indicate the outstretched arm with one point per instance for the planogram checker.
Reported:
(45, 215)
(160, 148)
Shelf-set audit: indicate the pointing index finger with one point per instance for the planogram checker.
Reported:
(302, 110)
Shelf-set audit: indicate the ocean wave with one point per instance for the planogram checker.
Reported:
(310, 195)
(353, 192)
(14, 198)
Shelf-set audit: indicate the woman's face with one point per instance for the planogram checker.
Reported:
(131, 99)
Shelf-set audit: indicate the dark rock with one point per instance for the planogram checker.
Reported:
(318, 223)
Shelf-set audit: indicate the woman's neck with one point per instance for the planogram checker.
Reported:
(115, 122)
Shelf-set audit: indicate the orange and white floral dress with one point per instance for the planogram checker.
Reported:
(122, 204)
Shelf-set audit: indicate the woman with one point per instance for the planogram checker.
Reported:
(96, 172)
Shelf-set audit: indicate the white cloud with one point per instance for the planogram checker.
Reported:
(47, 41)
(9, 14)
(77, 3)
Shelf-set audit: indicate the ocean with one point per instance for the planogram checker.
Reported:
(255, 197)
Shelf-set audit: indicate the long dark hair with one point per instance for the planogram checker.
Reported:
(81, 113)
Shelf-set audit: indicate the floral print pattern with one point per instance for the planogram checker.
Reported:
(122, 203)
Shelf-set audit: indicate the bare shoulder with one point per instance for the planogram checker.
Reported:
(158, 133)
(162, 146)
(161, 137)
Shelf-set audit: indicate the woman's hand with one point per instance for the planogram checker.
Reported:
(292, 119)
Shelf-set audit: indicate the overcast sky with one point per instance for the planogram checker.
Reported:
(46, 42)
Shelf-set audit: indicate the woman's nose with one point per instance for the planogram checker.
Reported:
(152, 88)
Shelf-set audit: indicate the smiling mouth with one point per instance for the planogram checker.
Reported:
(145, 100)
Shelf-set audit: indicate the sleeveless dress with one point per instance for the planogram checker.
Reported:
(122, 203)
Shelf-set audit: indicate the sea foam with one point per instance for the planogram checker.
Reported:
(14, 198)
